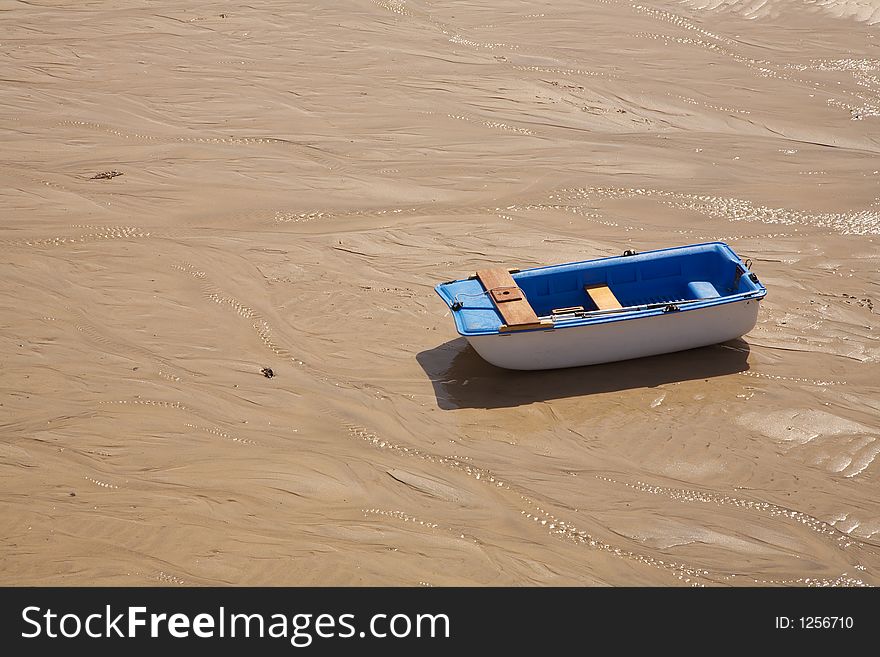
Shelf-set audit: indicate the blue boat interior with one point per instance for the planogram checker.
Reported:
(711, 272)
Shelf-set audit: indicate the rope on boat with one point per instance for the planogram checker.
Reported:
(458, 305)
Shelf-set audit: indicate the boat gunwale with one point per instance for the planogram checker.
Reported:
(636, 313)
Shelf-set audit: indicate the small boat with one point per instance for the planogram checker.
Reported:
(608, 309)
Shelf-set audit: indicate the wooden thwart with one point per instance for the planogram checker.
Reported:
(602, 296)
(505, 294)
(508, 298)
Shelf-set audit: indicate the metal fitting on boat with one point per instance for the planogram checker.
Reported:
(630, 252)
(671, 308)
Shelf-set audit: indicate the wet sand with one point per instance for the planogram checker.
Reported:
(295, 179)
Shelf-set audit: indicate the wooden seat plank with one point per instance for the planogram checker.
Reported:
(602, 296)
(515, 309)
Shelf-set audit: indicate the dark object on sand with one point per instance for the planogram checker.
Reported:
(106, 175)
(267, 372)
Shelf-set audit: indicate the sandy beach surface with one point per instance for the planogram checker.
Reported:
(295, 179)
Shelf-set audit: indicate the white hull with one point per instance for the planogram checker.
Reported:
(617, 340)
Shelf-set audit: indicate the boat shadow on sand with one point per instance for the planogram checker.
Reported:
(462, 379)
